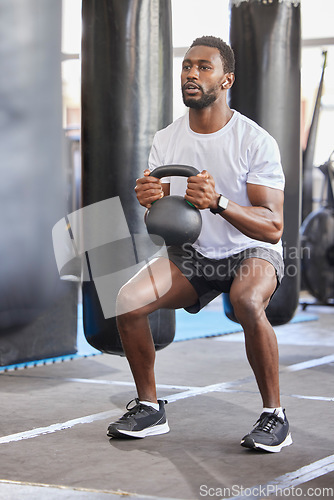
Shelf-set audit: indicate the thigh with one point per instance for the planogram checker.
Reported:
(255, 279)
(160, 284)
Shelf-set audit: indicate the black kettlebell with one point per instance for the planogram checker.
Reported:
(173, 218)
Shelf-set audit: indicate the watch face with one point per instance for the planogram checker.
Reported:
(222, 202)
(222, 205)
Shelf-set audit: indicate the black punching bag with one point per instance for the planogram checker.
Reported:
(38, 312)
(126, 98)
(266, 39)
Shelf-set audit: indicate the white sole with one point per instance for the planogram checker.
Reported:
(274, 449)
(149, 431)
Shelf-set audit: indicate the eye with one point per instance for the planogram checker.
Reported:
(205, 68)
(186, 67)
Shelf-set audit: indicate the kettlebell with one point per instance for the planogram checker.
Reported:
(173, 218)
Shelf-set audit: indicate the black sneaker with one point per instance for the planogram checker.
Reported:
(271, 433)
(140, 421)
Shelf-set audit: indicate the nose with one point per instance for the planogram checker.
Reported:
(192, 73)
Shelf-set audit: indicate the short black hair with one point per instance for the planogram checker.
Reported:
(226, 53)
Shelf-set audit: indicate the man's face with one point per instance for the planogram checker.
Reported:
(202, 76)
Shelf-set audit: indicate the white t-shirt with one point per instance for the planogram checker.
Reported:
(241, 152)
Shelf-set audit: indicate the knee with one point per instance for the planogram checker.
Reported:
(127, 303)
(134, 300)
(247, 305)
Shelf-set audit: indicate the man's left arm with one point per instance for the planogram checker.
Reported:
(263, 220)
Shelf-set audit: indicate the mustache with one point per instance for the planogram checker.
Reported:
(190, 82)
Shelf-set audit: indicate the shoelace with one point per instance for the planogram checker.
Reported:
(135, 409)
(268, 422)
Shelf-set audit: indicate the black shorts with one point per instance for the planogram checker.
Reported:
(211, 277)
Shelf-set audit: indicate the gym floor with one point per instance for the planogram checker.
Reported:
(54, 419)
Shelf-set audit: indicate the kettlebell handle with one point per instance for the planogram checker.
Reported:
(174, 170)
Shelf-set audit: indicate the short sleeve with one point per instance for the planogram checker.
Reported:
(265, 167)
(155, 159)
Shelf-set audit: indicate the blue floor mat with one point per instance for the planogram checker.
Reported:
(207, 323)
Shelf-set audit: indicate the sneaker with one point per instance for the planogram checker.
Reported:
(140, 421)
(271, 433)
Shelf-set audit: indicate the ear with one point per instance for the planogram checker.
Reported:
(228, 81)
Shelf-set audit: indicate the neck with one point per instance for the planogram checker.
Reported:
(209, 120)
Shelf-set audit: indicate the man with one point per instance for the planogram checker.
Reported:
(240, 194)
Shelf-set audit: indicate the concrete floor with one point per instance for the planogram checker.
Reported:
(53, 424)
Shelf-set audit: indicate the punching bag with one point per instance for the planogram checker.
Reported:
(38, 312)
(266, 39)
(126, 98)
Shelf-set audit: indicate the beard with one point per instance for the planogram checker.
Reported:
(204, 101)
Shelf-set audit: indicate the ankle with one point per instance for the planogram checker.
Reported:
(153, 404)
(278, 410)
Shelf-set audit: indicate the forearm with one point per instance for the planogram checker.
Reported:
(259, 223)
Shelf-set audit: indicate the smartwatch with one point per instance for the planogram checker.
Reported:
(222, 205)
